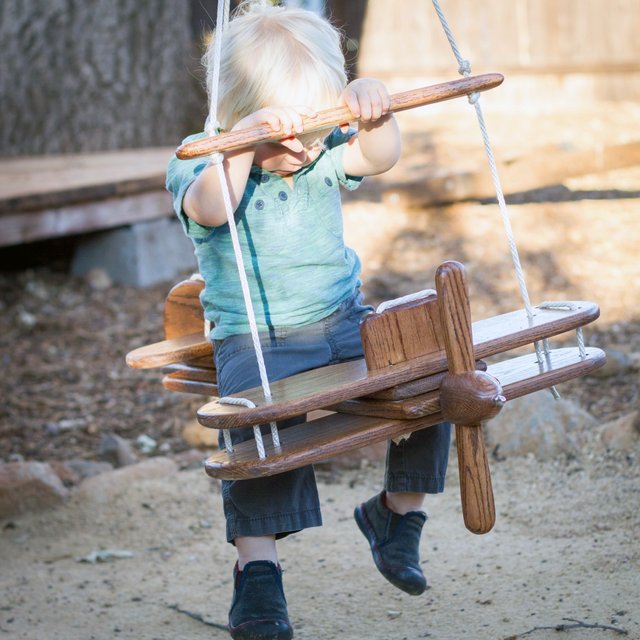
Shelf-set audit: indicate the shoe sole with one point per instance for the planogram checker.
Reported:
(261, 630)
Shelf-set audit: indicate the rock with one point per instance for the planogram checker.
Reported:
(541, 425)
(190, 459)
(116, 450)
(198, 436)
(622, 433)
(69, 424)
(66, 474)
(617, 363)
(106, 486)
(146, 444)
(28, 486)
(26, 319)
(88, 468)
(98, 279)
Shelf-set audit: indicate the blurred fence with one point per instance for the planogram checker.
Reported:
(551, 51)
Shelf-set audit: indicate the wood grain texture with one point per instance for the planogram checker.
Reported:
(183, 314)
(180, 349)
(470, 397)
(316, 441)
(410, 409)
(416, 387)
(336, 383)
(182, 385)
(187, 371)
(476, 492)
(35, 183)
(57, 222)
(309, 443)
(340, 115)
(455, 316)
(517, 377)
(401, 333)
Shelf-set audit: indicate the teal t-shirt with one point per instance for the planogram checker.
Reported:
(298, 267)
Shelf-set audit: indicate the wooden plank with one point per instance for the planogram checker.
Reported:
(51, 182)
(416, 387)
(329, 118)
(206, 362)
(82, 218)
(518, 376)
(409, 409)
(160, 354)
(187, 371)
(401, 333)
(181, 385)
(335, 434)
(183, 313)
(309, 443)
(329, 385)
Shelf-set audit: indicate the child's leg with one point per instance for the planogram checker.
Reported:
(404, 502)
(260, 510)
(252, 548)
(287, 502)
(419, 464)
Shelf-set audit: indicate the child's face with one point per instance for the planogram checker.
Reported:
(287, 156)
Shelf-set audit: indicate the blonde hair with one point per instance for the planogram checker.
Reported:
(271, 55)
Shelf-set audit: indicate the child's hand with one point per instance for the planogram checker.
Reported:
(367, 99)
(288, 120)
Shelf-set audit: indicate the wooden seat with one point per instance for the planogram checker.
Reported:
(421, 366)
(327, 386)
(321, 439)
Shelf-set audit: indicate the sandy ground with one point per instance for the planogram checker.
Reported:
(565, 547)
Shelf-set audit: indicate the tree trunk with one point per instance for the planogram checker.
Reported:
(79, 75)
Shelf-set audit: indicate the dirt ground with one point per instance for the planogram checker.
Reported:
(564, 557)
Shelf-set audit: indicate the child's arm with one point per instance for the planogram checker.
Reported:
(377, 146)
(203, 201)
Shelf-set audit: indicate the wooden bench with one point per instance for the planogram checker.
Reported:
(44, 197)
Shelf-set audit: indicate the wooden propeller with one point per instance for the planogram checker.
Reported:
(340, 115)
(467, 398)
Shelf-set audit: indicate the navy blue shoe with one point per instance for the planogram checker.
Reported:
(259, 608)
(394, 541)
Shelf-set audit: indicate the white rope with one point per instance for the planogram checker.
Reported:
(383, 306)
(570, 306)
(257, 435)
(222, 19)
(464, 68)
(211, 128)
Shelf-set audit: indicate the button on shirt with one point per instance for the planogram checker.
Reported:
(297, 264)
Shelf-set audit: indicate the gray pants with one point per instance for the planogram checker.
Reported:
(288, 502)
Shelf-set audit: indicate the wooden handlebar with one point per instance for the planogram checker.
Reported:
(339, 115)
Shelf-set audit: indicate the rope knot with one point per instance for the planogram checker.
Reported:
(465, 68)
(473, 97)
(216, 158)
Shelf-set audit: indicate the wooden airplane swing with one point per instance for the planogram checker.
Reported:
(422, 361)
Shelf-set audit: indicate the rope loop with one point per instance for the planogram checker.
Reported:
(383, 306)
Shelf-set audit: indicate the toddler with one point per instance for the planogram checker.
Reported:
(280, 64)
